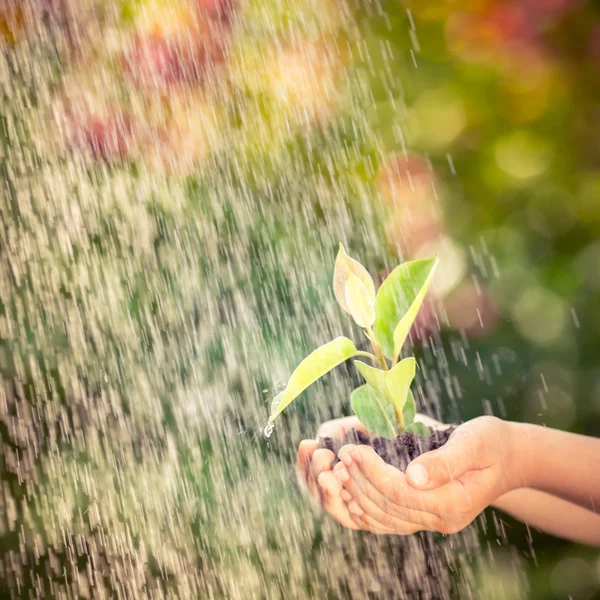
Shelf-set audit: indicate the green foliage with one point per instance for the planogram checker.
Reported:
(520, 183)
(403, 327)
(398, 301)
(398, 381)
(385, 405)
(393, 385)
(418, 429)
(313, 367)
(409, 409)
(375, 412)
(374, 377)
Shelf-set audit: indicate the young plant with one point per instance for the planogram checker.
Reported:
(385, 404)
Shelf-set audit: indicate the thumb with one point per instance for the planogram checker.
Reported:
(437, 467)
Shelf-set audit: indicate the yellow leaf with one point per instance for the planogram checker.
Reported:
(403, 327)
(344, 267)
(398, 381)
(313, 367)
(361, 305)
(400, 294)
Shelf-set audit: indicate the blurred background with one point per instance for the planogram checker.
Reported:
(176, 177)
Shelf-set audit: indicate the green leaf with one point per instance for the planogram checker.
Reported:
(374, 411)
(396, 297)
(313, 367)
(361, 304)
(374, 377)
(419, 429)
(344, 267)
(398, 380)
(403, 327)
(410, 409)
(394, 384)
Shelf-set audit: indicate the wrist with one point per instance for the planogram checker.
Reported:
(521, 444)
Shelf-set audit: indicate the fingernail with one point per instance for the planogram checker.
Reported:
(343, 476)
(356, 457)
(346, 496)
(355, 509)
(418, 475)
(346, 459)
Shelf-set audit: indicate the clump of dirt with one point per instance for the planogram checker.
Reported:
(399, 452)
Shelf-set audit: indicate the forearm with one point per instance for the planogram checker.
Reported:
(552, 515)
(562, 464)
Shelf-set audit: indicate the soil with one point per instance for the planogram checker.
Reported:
(399, 452)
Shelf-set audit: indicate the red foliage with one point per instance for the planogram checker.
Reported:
(161, 63)
(221, 10)
(99, 134)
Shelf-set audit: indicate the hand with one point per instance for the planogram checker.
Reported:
(313, 467)
(443, 490)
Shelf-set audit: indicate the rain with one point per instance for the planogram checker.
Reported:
(176, 177)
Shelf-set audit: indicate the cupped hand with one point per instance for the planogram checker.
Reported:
(442, 490)
(314, 470)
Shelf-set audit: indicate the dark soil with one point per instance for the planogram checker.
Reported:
(399, 452)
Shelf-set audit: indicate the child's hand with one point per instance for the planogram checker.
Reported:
(483, 462)
(313, 468)
(443, 490)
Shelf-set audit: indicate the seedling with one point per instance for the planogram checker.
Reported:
(385, 404)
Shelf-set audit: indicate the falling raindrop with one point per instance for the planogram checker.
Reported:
(175, 177)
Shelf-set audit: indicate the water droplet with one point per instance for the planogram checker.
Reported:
(269, 430)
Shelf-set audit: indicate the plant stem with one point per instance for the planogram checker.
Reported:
(380, 357)
(382, 360)
(400, 419)
(378, 349)
(367, 355)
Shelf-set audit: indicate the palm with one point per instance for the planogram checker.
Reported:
(464, 477)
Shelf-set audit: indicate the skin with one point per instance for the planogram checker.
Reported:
(533, 473)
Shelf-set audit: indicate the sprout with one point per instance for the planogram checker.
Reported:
(385, 404)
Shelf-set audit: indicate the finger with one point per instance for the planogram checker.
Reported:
(339, 466)
(375, 526)
(305, 451)
(383, 509)
(341, 513)
(344, 453)
(346, 495)
(370, 527)
(366, 522)
(351, 491)
(461, 453)
(363, 505)
(332, 501)
(321, 461)
(390, 485)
